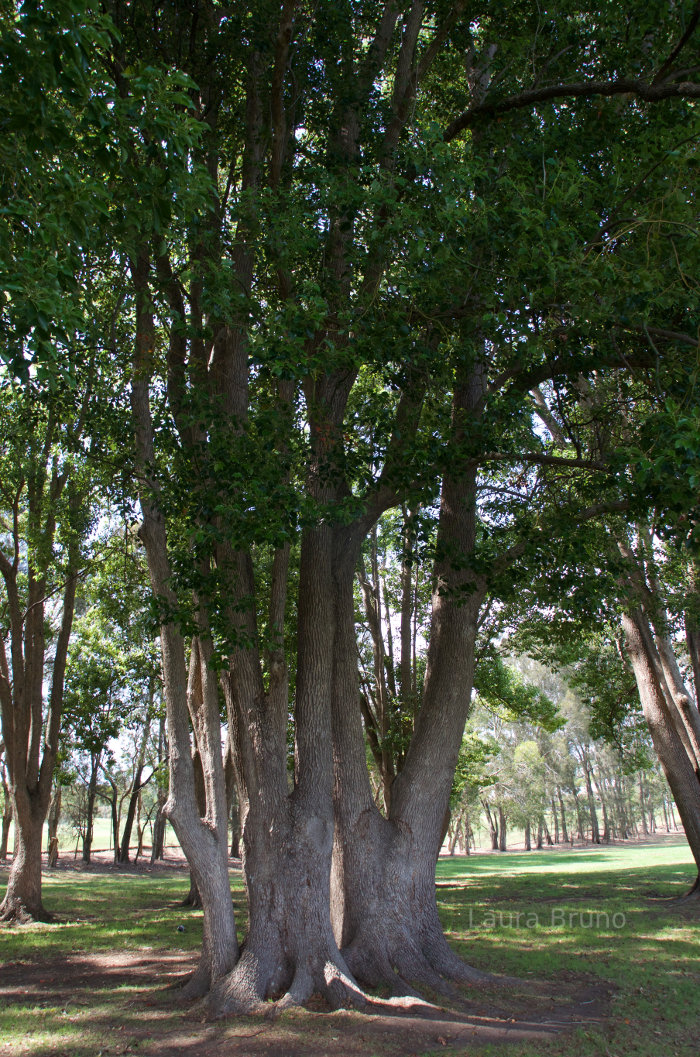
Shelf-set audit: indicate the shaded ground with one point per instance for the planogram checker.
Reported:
(149, 1025)
(101, 980)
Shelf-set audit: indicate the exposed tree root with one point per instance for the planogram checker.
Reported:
(197, 984)
(15, 912)
(690, 898)
(244, 989)
(257, 978)
(391, 953)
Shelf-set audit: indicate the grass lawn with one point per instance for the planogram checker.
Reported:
(565, 923)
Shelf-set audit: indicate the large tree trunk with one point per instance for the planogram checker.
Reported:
(663, 728)
(22, 901)
(290, 949)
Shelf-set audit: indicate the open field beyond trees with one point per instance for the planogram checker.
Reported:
(599, 961)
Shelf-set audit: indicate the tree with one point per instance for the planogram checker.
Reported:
(45, 518)
(298, 324)
(308, 354)
(111, 682)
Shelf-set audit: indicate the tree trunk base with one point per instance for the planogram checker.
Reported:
(249, 988)
(691, 897)
(16, 912)
(405, 958)
(386, 913)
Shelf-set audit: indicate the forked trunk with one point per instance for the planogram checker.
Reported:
(384, 908)
(290, 950)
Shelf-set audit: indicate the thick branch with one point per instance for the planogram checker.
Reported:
(648, 93)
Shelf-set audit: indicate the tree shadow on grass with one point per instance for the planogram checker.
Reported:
(119, 1002)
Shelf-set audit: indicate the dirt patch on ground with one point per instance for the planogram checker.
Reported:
(151, 1021)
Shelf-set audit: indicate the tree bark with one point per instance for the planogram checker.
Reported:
(564, 834)
(669, 747)
(5, 833)
(23, 902)
(203, 840)
(90, 810)
(384, 904)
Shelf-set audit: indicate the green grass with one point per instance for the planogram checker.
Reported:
(602, 912)
(592, 914)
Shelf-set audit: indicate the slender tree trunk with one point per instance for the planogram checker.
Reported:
(555, 816)
(604, 808)
(564, 834)
(136, 785)
(5, 832)
(643, 806)
(502, 844)
(30, 736)
(204, 841)
(53, 819)
(528, 840)
(666, 822)
(595, 831)
(159, 823)
(90, 811)
(579, 817)
(493, 826)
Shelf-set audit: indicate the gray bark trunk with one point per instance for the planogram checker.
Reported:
(23, 900)
(564, 834)
(203, 840)
(669, 747)
(90, 812)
